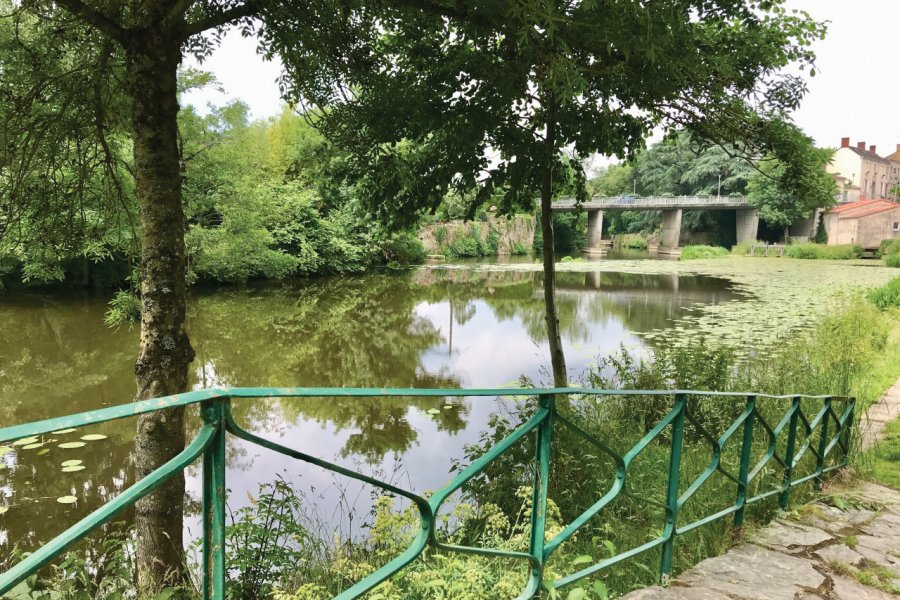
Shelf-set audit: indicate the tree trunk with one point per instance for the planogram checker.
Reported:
(165, 352)
(557, 357)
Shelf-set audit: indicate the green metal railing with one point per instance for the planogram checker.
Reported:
(824, 439)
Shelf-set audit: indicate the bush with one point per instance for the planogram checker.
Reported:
(893, 260)
(742, 249)
(518, 249)
(698, 252)
(633, 241)
(888, 295)
(811, 251)
(888, 247)
(403, 249)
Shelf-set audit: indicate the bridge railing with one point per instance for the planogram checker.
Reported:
(629, 201)
(786, 440)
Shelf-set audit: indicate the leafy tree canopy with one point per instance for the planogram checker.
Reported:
(485, 95)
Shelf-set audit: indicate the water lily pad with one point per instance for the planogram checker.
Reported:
(72, 445)
(32, 446)
(5, 450)
(62, 431)
(72, 463)
(3, 509)
(433, 411)
(93, 437)
(448, 406)
(73, 468)
(25, 441)
(44, 451)
(67, 499)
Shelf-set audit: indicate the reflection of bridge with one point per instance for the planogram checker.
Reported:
(746, 219)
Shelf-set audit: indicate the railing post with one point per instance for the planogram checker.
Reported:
(213, 412)
(744, 468)
(848, 432)
(789, 453)
(539, 494)
(668, 547)
(823, 442)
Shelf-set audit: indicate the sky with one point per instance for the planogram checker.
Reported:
(855, 93)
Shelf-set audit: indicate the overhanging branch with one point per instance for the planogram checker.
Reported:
(247, 9)
(95, 18)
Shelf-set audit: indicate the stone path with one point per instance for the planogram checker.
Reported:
(872, 424)
(845, 547)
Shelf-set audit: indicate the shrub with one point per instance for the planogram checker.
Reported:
(403, 249)
(822, 252)
(742, 249)
(518, 249)
(698, 252)
(633, 241)
(888, 247)
(888, 295)
(893, 260)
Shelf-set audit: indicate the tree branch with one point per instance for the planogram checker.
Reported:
(247, 9)
(95, 18)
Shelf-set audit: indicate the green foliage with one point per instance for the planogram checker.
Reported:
(742, 249)
(570, 231)
(890, 251)
(125, 307)
(821, 236)
(438, 106)
(632, 241)
(403, 249)
(886, 456)
(812, 251)
(518, 249)
(103, 571)
(775, 192)
(700, 252)
(887, 296)
(266, 542)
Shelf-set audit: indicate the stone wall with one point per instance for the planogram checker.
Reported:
(511, 231)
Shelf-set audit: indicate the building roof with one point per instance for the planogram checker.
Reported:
(895, 157)
(865, 154)
(863, 208)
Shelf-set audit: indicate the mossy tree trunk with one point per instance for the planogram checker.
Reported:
(165, 352)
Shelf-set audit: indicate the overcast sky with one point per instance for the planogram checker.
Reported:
(855, 93)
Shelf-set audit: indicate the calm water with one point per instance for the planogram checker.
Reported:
(426, 328)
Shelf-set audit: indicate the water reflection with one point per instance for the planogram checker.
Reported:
(427, 328)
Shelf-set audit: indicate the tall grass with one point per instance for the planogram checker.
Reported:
(812, 251)
(700, 252)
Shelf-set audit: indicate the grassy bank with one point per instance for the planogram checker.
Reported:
(803, 251)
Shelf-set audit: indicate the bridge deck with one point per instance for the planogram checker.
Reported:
(654, 203)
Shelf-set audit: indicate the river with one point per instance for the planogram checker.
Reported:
(430, 327)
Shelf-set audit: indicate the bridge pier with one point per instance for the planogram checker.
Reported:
(746, 225)
(671, 232)
(595, 242)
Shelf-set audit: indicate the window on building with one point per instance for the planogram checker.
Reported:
(896, 225)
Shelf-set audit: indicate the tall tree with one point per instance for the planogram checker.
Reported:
(778, 204)
(506, 95)
(145, 39)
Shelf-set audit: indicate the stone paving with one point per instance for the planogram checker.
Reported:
(823, 552)
(844, 547)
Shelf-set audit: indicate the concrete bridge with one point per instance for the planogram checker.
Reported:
(746, 219)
